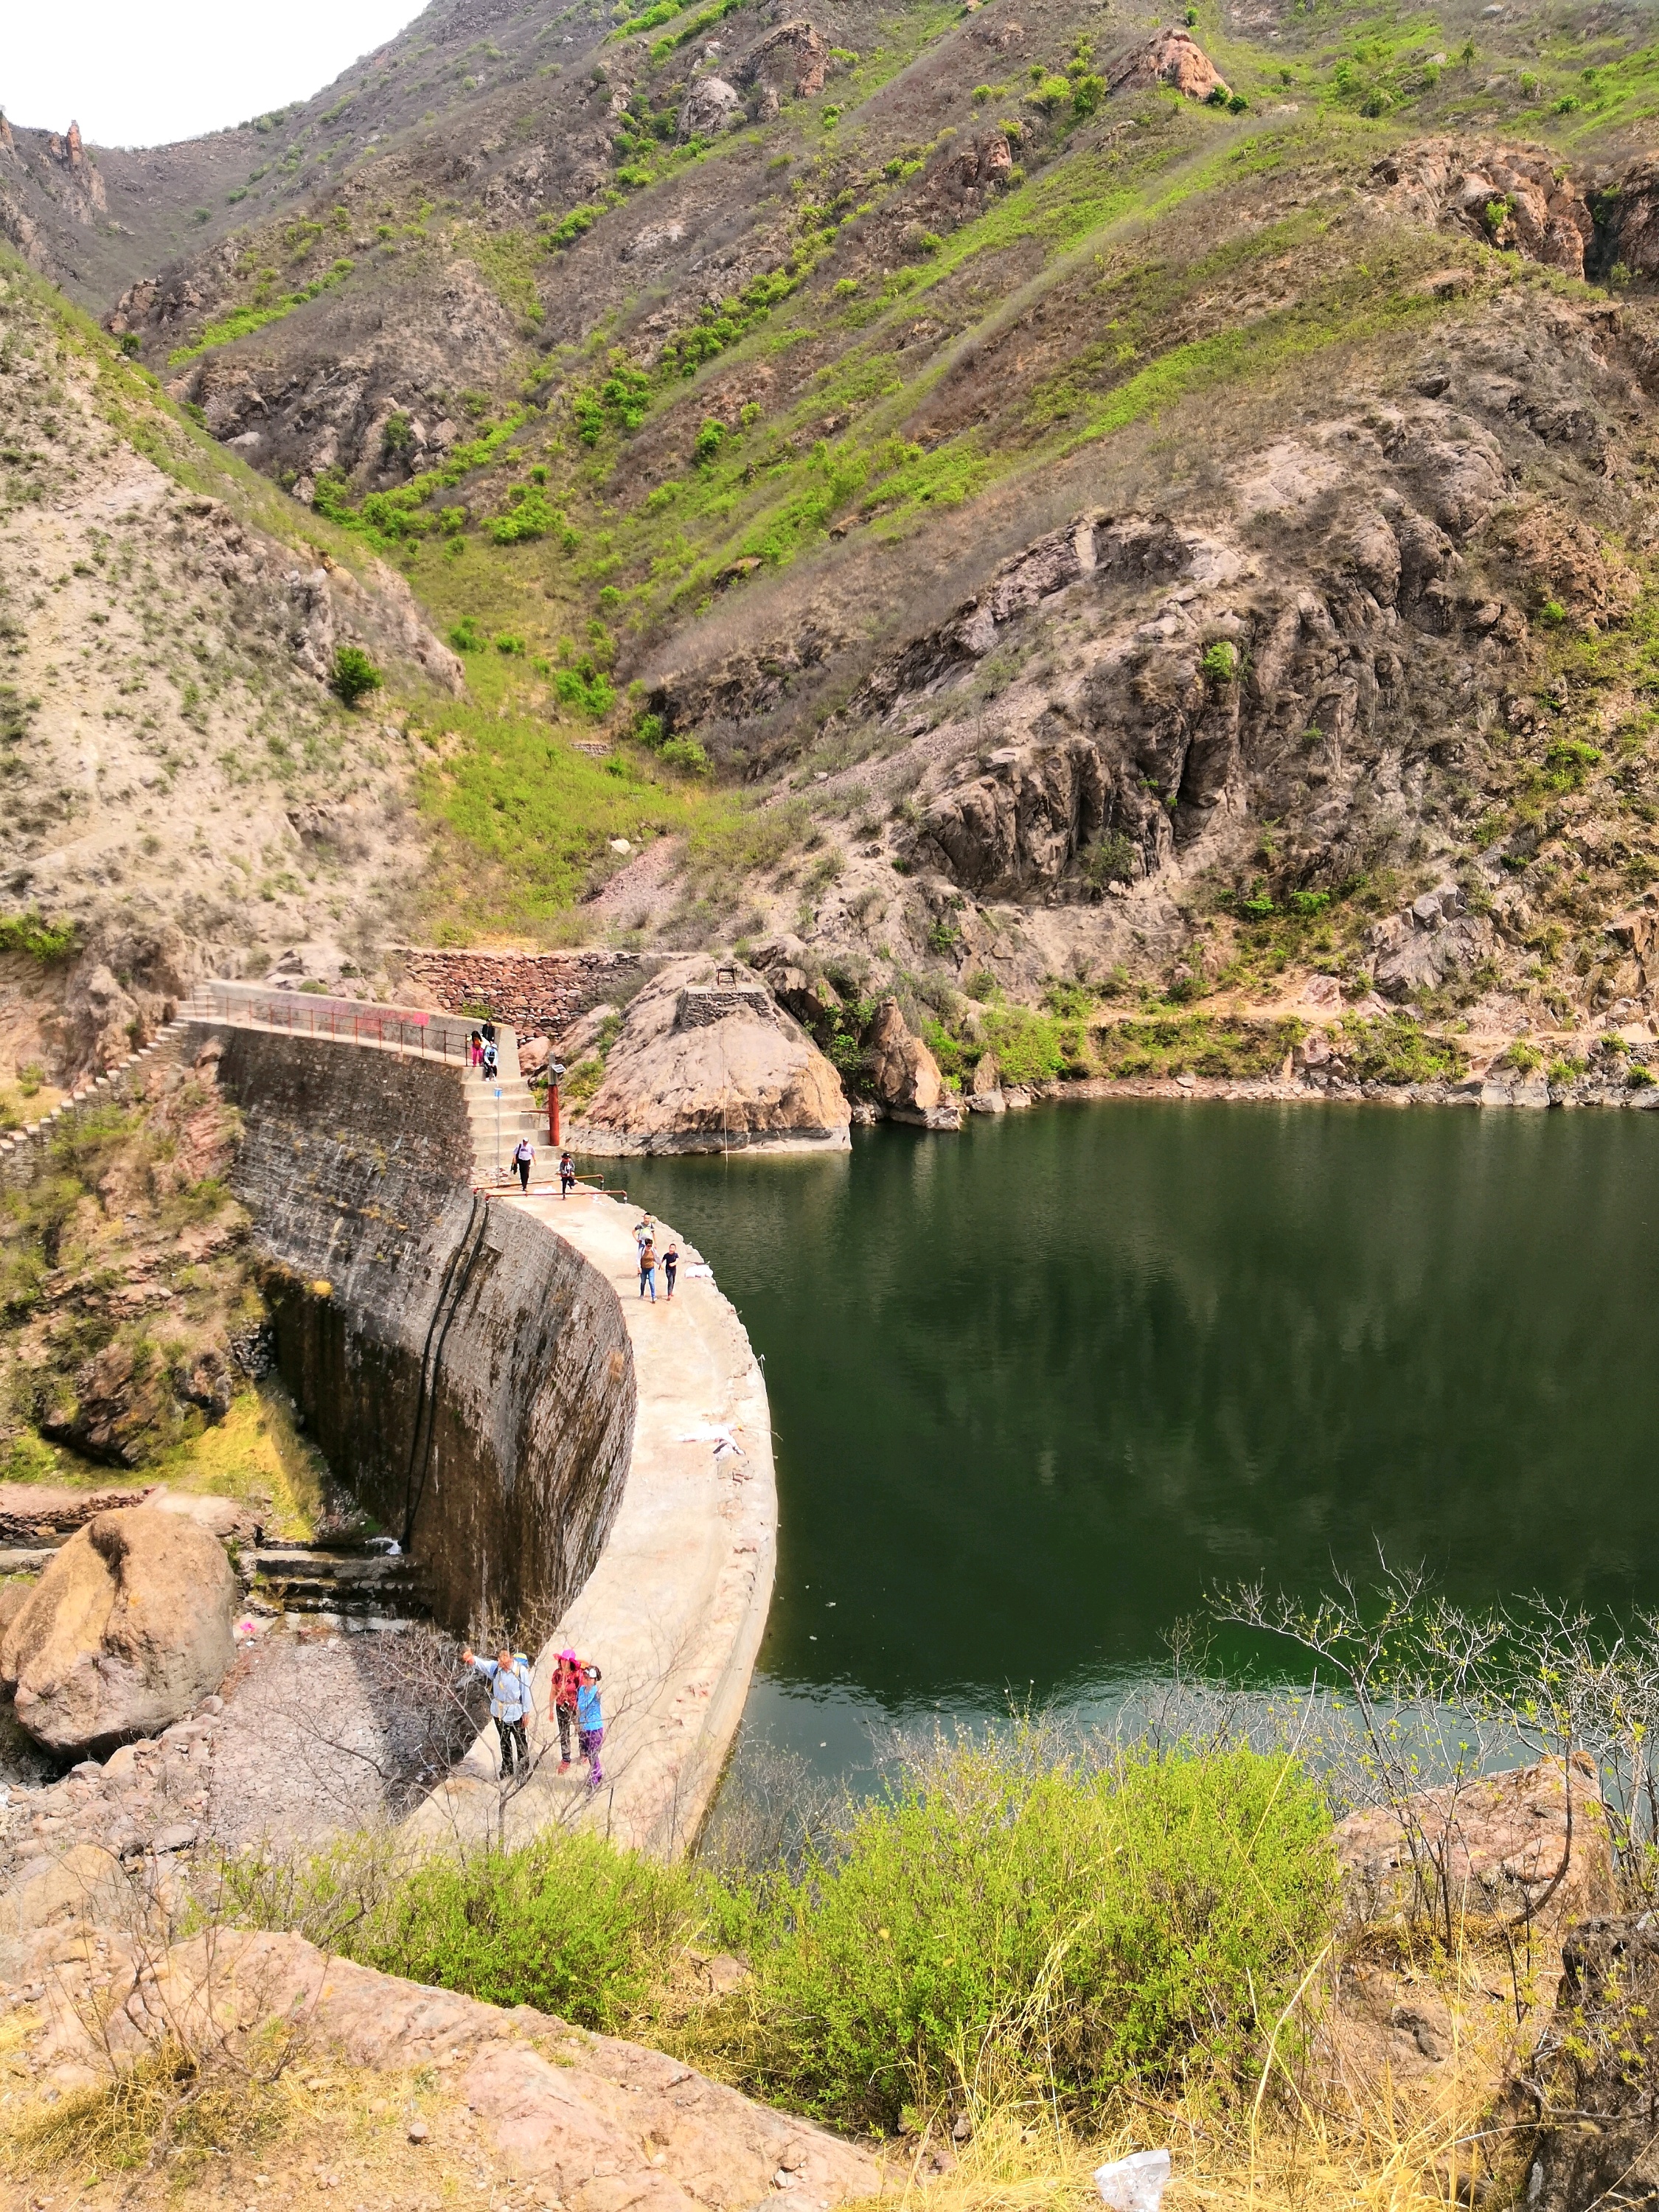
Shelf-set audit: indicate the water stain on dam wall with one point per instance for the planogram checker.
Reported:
(466, 1374)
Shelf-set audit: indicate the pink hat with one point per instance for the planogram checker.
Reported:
(567, 1653)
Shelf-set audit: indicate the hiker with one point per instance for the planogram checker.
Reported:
(670, 1260)
(489, 1032)
(475, 1050)
(590, 1724)
(511, 1698)
(490, 1062)
(567, 1174)
(523, 1153)
(649, 1270)
(645, 1232)
(566, 1685)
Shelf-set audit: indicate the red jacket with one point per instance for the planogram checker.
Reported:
(567, 1681)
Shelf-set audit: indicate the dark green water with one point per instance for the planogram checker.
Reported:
(1036, 1389)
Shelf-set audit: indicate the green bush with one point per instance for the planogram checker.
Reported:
(354, 675)
(47, 942)
(567, 1924)
(1032, 1048)
(686, 753)
(466, 636)
(1221, 662)
(1394, 1049)
(1084, 1931)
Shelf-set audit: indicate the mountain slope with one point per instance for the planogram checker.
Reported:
(182, 787)
(1100, 529)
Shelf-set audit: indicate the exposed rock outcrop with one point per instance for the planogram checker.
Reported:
(712, 105)
(700, 1067)
(905, 1076)
(1515, 198)
(1501, 1844)
(1433, 940)
(128, 1627)
(587, 2119)
(792, 58)
(1173, 57)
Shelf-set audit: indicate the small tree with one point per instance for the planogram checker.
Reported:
(354, 675)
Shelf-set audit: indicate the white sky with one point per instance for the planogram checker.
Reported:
(142, 72)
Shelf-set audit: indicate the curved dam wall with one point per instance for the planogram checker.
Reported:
(468, 1374)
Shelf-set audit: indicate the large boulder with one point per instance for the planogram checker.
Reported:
(1596, 2074)
(705, 1066)
(127, 1630)
(712, 105)
(905, 1076)
(1172, 58)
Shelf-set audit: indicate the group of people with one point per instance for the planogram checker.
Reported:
(481, 1050)
(645, 1240)
(523, 1158)
(575, 1710)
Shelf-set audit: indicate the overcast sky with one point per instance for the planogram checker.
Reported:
(141, 72)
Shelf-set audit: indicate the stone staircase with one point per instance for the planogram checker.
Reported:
(363, 1586)
(496, 1123)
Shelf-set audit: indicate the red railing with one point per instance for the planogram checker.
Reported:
(310, 1014)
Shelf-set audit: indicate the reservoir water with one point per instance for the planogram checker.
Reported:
(1038, 1387)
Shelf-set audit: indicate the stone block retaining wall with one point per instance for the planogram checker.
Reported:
(540, 994)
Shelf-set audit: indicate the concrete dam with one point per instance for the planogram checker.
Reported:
(564, 1461)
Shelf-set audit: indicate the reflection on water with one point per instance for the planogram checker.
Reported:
(1038, 1387)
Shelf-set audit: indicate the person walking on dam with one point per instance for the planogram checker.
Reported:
(649, 1270)
(511, 1700)
(670, 1260)
(524, 1153)
(567, 1174)
(590, 1723)
(567, 1688)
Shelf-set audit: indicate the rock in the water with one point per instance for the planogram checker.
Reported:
(905, 1076)
(984, 1092)
(126, 1631)
(701, 1066)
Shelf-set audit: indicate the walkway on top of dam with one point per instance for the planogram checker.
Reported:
(675, 1607)
(674, 1612)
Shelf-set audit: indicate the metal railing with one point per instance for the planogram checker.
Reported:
(356, 1021)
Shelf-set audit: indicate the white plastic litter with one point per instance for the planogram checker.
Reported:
(708, 1433)
(706, 1274)
(1135, 2183)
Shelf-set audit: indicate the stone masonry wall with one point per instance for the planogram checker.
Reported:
(455, 1364)
(538, 993)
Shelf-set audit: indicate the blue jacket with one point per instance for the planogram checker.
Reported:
(511, 1696)
(588, 1716)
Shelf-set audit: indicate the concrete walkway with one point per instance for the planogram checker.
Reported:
(674, 1612)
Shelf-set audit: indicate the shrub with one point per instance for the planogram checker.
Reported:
(1220, 662)
(686, 753)
(1087, 1931)
(528, 515)
(1050, 93)
(506, 642)
(709, 439)
(982, 94)
(1393, 1048)
(47, 942)
(1640, 1078)
(1087, 93)
(466, 636)
(567, 1924)
(354, 675)
(1032, 1048)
